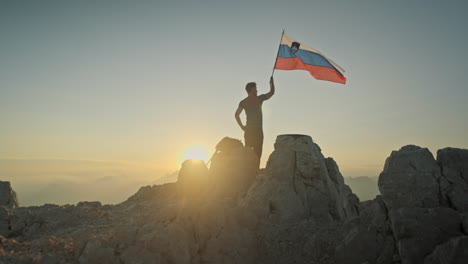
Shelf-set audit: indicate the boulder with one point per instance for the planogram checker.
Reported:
(454, 185)
(410, 179)
(419, 230)
(298, 183)
(454, 251)
(424, 198)
(193, 179)
(454, 163)
(367, 238)
(232, 170)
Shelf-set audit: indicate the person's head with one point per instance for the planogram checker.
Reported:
(251, 88)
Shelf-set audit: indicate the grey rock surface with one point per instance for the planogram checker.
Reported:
(454, 251)
(300, 183)
(419, 230)
(410, 179)
(465, 223)
(454, 184)
(425, 199)
(367, 238)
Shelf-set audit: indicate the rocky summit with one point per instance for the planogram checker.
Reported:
(296, 210)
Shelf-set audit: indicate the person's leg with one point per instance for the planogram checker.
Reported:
(256, 136)
(258, 144)
(254, 139)
(248, 137)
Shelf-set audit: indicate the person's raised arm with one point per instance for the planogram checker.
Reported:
(272, 89)
(237, 115)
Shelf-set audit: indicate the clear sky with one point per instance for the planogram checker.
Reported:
(141, 82)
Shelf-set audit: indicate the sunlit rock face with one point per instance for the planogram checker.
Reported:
(193, 179)
(233, 170)
(296, 210)
(300, 183)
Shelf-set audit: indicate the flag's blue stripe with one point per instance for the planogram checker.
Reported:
(308, 57)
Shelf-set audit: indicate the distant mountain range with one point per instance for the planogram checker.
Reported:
(364, 187)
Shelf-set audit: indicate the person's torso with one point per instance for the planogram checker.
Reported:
(253, 110)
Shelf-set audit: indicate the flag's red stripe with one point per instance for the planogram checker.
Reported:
(318, 72)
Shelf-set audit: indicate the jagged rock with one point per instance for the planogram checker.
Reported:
(454, 251)
(454, 162)
(410, 179)
(367, 238)
(454, 182)
(225, 234)
(416, 194)
(193, 179)
(297, 210)
(419, 230)
(296, 184)
(345, 199)
(163, 192)
(95, 204)
(8, 197)
(374, 213)
(359, 245)
(233, 170)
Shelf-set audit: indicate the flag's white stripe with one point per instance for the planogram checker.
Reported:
(288, 41)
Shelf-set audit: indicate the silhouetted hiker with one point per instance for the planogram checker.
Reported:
(253, 130)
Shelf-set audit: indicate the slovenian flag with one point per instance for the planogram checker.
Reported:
(293, 55)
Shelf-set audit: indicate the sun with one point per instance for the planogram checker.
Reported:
(196, 153)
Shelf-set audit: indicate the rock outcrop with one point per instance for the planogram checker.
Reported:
(299, 183)
(454, 183)
(8, 197)
(8, 201)
(426, 199)
(296, 210)
(410, 179)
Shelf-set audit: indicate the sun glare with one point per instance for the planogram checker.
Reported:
(196, 153)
